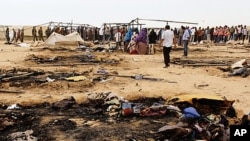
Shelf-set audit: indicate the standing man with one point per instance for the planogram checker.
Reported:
(248, 36)
(14, 35)
(152, 37)
(118, 38)
(244, 34)
(22, 35)
(40, 34)
(34, 34)
(167, 40)
(208, 32)
(180, 34)
(185, 39)
(7, 35)
(18, 34)
(47, 32)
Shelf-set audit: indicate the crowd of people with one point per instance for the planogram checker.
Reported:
(16, 35)
(128, 38)
(220, 34)
(133, 41)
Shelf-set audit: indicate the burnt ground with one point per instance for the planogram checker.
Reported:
(79, 121)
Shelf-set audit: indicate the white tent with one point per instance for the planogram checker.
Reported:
(55, 38)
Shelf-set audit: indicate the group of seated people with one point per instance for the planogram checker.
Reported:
(136, 42)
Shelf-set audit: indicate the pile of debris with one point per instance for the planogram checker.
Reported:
(25, 78)
(200, 117)
(182, 117)
(240, 68)
(200, 62)
(70, 60)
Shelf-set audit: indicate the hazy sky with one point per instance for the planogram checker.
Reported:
(96, 12)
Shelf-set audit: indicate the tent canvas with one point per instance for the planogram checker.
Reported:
(56, 38)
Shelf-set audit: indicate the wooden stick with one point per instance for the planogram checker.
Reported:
(10, 91)
(17, 76)
(113, 75)
(74, 64)
(199, 64)
(130, 76)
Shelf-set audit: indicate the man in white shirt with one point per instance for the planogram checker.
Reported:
(193, 30)
(118, 36)
(244, 34)
(167, 41)
(101, 35)
(185, 38)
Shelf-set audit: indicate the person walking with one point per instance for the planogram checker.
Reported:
(185, 39)
(167, 41)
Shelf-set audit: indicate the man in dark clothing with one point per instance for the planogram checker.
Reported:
(22, 35)
(34, 34)
(18, 35)
(40, 34)
(47, 32)
(7, 35)
(14, 35)
(152, 37)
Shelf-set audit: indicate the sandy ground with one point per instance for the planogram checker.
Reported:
(205, 80)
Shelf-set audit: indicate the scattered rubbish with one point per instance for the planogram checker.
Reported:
(28, 78)
(136, 77)
(26, 135)
(64, 104)
(190, 112)
(24, 45)
(4, 123)
(107, 107)
(203, 85)
(127, 109)
(136, 60)
(76, 78)
(50, 80)
(14, 106)
(239, 64)
(83, 59)
(18, 76)
(173, 133)
(204, 104)
(102, 71)
(200, 62)
(137, 108)
(240, 68)
(113, 101)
